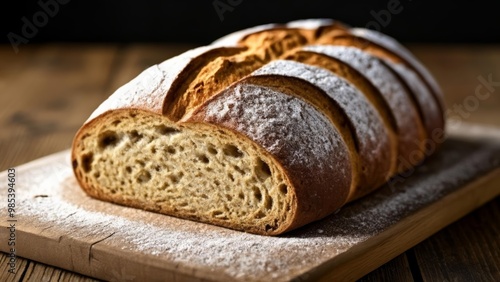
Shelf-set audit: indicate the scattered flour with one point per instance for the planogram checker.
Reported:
(68, 212)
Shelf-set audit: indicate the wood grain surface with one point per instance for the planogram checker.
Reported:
(47, 91)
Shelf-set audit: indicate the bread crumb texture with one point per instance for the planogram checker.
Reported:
(136, 159)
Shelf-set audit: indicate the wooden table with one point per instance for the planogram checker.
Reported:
(47, 91)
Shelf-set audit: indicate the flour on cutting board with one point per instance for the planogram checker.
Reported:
(242, 255)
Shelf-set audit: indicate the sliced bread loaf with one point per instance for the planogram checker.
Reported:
(263, 131)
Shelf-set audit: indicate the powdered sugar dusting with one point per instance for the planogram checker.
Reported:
(212, 250)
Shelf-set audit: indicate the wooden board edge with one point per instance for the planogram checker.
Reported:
(146, 268)
(380, 249)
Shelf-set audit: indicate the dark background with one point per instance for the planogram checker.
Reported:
(198, 21)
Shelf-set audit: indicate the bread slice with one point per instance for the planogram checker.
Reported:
(429, 109)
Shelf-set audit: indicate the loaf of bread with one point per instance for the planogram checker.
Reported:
(265, 130)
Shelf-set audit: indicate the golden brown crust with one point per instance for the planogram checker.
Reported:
(212, 72)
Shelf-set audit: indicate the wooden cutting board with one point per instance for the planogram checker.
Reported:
(57, 224)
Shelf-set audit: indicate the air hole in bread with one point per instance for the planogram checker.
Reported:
(211, 149)
(107, 139)
(128, 169)
(87, 160)
(232, 151)
(238, 169)
(176, 178)
(116, 122)
(217, 213)
(135, 136)
(199, 85)
(143, 177)
(283, 189)
(203, 158)
(171, 150)
(257, 194)
(259, 214)
(74, 163)
(269, 203)
(165, 130)
(231, 177)
(262, 169)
